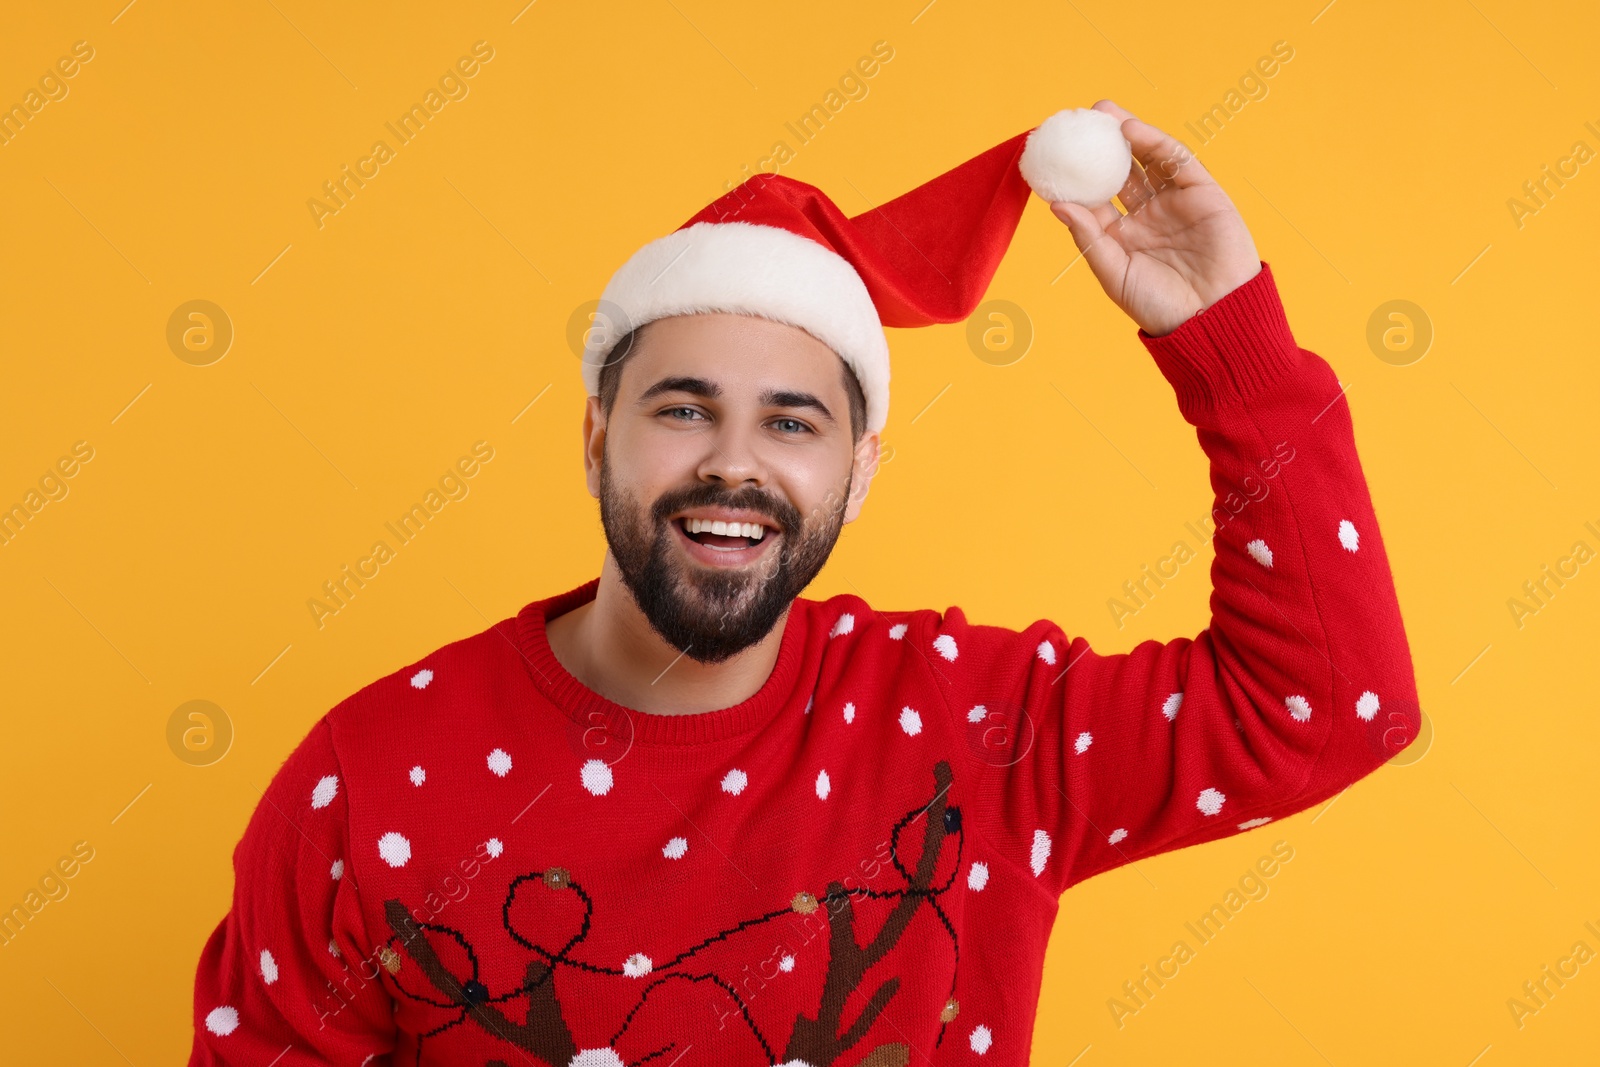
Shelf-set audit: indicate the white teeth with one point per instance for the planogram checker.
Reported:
(753, 530)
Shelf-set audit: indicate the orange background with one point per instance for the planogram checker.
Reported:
(369, 353)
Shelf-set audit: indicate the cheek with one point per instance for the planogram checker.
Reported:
(649, 464)
(816, 486)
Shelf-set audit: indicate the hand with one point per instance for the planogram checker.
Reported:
(1182, 245)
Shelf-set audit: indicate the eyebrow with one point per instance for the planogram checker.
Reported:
(779, 398)
(788, 398)
(694, 386)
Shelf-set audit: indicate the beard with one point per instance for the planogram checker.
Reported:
(712, 614)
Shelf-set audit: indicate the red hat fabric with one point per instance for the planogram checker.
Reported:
(781, 249)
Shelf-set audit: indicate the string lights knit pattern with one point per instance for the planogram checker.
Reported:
(477, 860)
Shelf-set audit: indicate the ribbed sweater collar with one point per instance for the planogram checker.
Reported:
(590, 710)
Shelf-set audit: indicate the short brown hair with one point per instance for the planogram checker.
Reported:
(611, 378)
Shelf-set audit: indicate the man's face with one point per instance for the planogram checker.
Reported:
(731, 420)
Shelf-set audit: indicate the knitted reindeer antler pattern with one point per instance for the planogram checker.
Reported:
(821, 1038)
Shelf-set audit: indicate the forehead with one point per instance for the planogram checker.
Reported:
(735, 351)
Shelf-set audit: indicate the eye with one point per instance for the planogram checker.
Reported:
(790, 425)
(681, 413)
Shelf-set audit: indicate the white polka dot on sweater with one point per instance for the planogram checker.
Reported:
(1085, 739)
(1119, 834)
(500, 762)
(945, 645)
(395, 849)
(421, 679)
(637, 965)
(1367, 705)
(787, 963)
(1260, 552)
(269, 967)
(1298, 706)
(1348, 536)
(418, 776)
(822, 785)
(596, 777)
(1170, 706)
(326, 789)
(981, 1039)
(1047, 652)
(336, 872)
(1210, 801)
(494, 847)
(897, 631)
(675, 848)
(597, 1057)
(978, 713)
(735, 781)
(1040, 852)
(910, 721)
(978, 877)
(1251, 824)
(333, 948)
(849, 713)
(846, 623)
(222, 1021)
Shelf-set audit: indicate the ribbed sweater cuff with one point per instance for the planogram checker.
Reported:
(1230, 351)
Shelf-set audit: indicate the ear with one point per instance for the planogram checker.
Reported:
(864, 466)
(594, 443)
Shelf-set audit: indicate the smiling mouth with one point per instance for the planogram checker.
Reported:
(722, 536)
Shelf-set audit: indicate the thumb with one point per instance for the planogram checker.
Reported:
(1079, 219)
(1105, 256)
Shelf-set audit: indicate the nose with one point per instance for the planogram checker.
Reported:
(732, 458)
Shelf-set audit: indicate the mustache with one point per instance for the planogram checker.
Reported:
(779, 512)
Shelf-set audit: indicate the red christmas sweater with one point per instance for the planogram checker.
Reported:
(478, 860)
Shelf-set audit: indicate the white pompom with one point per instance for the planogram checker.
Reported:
(1078, 155)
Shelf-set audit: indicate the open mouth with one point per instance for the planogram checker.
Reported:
(722, 536)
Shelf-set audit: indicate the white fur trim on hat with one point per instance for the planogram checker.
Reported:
(748, 269)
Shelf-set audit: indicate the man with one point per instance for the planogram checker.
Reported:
(683, 815)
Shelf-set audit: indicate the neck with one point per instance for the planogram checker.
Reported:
(609, 645)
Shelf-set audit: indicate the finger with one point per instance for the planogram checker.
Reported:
(1137, 190)
(1104, 211)
(1166, 160)
(1105, 256)
(1160, 157)
(1111, 107)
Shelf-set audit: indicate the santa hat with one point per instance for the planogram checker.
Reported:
(780, 249)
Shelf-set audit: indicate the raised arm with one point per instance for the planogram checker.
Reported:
(1303, 681)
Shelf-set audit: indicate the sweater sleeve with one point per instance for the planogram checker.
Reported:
(286, 974)
(1301, 684)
